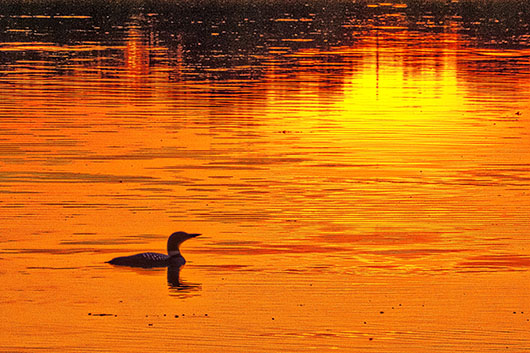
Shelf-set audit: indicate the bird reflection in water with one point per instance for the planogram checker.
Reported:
(177, 287)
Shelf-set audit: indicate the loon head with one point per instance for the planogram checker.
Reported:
(175, 240)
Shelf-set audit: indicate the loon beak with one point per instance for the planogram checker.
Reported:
(194, 235)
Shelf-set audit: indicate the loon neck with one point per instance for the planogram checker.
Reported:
(173, 253)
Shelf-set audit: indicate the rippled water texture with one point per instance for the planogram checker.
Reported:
(360, 173)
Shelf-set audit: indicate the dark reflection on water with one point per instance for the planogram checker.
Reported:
(235, 42)
(179, 288)
(235, 36)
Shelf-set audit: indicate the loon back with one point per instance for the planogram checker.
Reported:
(147, 260)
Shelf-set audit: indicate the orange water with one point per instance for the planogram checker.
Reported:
(366, 190)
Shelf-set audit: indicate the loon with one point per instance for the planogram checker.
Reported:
(152, 259)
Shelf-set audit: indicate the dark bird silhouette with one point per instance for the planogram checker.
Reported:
(152, 259)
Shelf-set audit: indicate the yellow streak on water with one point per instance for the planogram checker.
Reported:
(367, 197)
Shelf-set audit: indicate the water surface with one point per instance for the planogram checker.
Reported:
(360, 174)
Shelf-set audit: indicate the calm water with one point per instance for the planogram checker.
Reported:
(360, 173)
